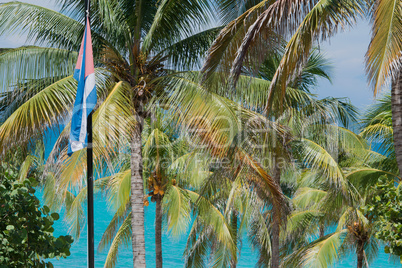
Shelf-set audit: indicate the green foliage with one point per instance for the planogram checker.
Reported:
(386, 208)
(26, 232)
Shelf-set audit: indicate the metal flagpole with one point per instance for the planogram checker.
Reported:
(90, 198)
(90, 179)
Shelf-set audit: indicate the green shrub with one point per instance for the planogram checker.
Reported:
(26, 232)
(386, 209)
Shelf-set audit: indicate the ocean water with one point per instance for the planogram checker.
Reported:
(172, 247)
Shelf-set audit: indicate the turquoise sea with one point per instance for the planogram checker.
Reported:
(172, 247)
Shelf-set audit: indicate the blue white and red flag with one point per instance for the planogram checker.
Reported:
(85, 100)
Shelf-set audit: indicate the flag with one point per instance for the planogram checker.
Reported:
(85, 99)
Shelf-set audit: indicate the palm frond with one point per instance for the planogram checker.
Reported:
(176, 208)
(259, 234)
(26, 165)
(377, 125)
(30, 63)
(122, 237)
(365, 178)
(306, 197)
(320, 253)
(196, 108)
(49, 26)
(317, 158)
(113, 124)
(75, 216)
(43, 110)
(119, 190)
(191, 169)
(222, 257)
(74, 208)
(311, 20)
(223, 50)
(188, 52)
(112, 229)
(199, 241)
(303, 221)
(213, 218)
(317, 66)
(174, 18)
(384, 52)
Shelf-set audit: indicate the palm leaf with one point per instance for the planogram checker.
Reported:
(112, 128)
(189, 170)
(212, 217)
(49, 26)
(119, 190)
(319, 254)
(316, 157)
(74, 210)
(308, 197)
(223, 50)
(367, 177)
(176, 208)
(31, 63)
(37, 114)
(122, 237)
(188, 52)
(198, 242)
(302, 221)
(112, 229)
(173, 19)
(310, 19)
(385, 47)
(260, 237)
(26, 165)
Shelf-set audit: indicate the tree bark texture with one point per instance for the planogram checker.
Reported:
(396, 103)
(158, 232)
(137, 200)
(360, 253)
(275, 243)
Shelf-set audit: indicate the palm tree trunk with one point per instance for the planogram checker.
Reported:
(275, 259)
(233, 220)
(396, 103)
(137, 200)
(360, 253)
(158, 232)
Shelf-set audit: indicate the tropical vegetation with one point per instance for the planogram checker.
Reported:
(206, 109)
(26, 227)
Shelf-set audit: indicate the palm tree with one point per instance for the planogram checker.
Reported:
(300, 109)
(267, 21)
(236, 207)
(244, 205)
(126, 85)
(377, 128)
(305, 23)
(355, 229)
(383, 61)
(167, 166)
(317, 202)
(133, 40)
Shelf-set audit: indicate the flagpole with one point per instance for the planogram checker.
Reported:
(90, 191)
(90, 179)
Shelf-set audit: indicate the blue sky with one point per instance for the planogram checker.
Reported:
(345, 50)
